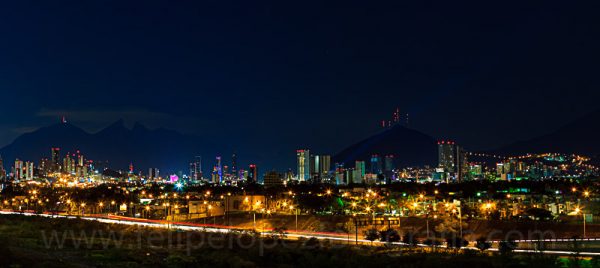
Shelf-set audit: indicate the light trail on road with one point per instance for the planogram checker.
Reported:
(111, 219)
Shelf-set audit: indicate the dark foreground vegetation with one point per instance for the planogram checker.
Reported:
(43, 242)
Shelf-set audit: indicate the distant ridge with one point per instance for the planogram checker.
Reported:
(581, 136)
(120, 146)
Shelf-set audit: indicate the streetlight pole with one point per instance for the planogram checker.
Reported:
(427, 223)
(583, 225)
(460, 221)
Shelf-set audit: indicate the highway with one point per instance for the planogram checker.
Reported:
(113, 219)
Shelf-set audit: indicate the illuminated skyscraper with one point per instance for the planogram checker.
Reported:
(376, 164)
(219, 169)
(18, 170)
(314, 165)
(252, 174)
(272, 178)
(325, 165)
(303, 157)
(153, 174)
(389, 163)
(28, 171)
(447, 156)
(196, 169)
(55, 159)
(452, 159)
(234, 167)
(2, 170)
(360, 170)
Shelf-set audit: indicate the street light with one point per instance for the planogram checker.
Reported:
(577, 211)
(297, 210)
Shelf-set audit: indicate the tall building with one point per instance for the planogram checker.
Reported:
(303, 164)
(339, 174)
(80, 159)
(55, 159)
(272, 178)
(28, 171)
(325, 165)
(219, 170)
(360, 170)
(196, 169)
(44, 166)
(447, 156)
(234, 167)
(252, 174)
(69, 163)
(452, 159)
(376, 164)
(389, 163)
(314, 166)
(153, 174)
(18, 170)
(2, 170)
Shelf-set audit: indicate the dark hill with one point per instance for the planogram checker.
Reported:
(579, 136)
(409, 147)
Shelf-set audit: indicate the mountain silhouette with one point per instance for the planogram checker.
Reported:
(161, 148)
(578, 137)
(409, 147)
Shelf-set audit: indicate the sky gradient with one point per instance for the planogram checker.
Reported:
(286, 75)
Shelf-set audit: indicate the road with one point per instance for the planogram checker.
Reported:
(336, 237)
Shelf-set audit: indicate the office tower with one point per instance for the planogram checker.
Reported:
(2, 170)
(452, 159)
(234, 167)
(80, 159)
(55, 159)
(349, 176)
(272, 179)
(44, 166)
(28, 171)
(389, 163)
(360, 170)
(219, 170)
(376, 164)
(314, 166)
(252, 176)
(196, 169)
(153, 174)
(18, 170)
(324, 165)
(68, 164)
(446, 156)
(339, 174)
(303, 164)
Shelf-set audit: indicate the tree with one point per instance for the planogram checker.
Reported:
(371, 235)
(482, 244)
(279, 233)
(389, 235)
(409, 239)
(456, 242)
(540, 214)
(506, 247)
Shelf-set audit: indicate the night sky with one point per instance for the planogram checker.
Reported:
(291, 74)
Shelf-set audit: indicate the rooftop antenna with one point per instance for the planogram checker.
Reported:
(63, 119)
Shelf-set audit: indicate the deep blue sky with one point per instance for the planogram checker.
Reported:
(285, 74)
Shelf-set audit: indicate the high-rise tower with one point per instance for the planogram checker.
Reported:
(303, 157)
